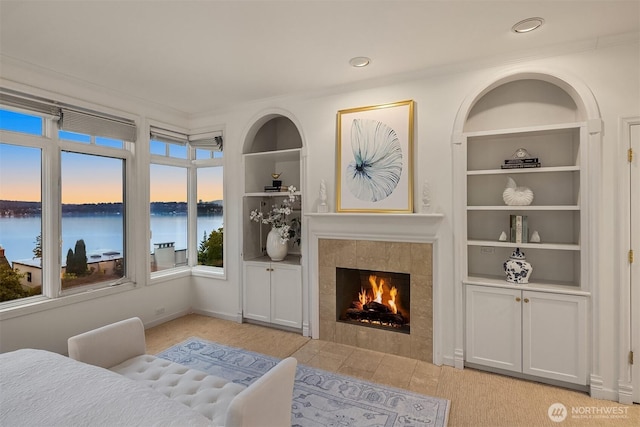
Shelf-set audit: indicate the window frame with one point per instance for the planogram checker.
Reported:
(51, 215)
(192, 165)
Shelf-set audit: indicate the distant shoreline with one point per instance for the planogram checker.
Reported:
(13, 208)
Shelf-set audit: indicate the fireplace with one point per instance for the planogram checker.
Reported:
(411, 261)
(377, 299)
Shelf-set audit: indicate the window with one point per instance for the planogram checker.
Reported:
(20, 221)
(62, 179)
(168, 216)
(186, 178)
(93, 220)
(210, 219)
(20, 122)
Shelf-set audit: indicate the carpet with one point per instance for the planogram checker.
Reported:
(320, 398)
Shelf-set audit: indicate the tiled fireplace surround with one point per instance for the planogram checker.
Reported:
(369, 244)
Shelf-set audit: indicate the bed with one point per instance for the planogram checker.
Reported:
(40, 388)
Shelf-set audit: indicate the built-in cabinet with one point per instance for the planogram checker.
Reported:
(272, 291)
(534, 333)
(539, 328)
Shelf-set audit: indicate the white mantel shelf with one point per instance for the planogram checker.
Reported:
(435, 216)
(386, 226)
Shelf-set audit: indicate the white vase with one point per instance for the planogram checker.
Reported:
(517, 269)
(276, 248)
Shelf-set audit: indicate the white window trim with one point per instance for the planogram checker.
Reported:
(191, 164)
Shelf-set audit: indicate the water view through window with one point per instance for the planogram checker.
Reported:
(20, 222)
(93, 219)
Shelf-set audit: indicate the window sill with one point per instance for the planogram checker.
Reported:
(170, 274)
(209, 272)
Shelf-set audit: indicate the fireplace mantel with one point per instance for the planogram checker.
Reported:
(406, 227)
(420, 228)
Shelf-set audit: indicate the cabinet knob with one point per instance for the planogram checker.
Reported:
(518, 299)
(526, 300)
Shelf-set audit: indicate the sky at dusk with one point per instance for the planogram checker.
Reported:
(89, 178)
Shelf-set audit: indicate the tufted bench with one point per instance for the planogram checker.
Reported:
(120, 347)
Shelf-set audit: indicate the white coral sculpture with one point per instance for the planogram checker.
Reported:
(516, 196)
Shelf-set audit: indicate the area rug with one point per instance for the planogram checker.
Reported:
(320, 398)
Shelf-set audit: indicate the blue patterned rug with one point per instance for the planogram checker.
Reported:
(320, 398)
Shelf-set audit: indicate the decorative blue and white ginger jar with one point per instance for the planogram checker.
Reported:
(517, 269)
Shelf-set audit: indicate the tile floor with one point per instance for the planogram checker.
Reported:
(477, 398)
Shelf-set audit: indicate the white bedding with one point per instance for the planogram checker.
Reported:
(40, 388)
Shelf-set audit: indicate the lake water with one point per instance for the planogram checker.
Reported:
(100, 233)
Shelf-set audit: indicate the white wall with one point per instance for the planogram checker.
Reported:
(50, 328)
(613, 74)
(611, 71)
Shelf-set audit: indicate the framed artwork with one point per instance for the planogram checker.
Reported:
(375, 159)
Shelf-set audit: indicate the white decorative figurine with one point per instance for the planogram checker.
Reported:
(322, 206)
(426, 197)
(535, 237)
(516, 196)
(503, 237)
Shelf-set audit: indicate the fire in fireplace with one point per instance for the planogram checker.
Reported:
(378, 299)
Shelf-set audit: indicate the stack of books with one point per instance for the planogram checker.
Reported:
(528, 162)
(519, 229)
(274, 189)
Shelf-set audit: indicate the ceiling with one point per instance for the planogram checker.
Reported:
(201, 56)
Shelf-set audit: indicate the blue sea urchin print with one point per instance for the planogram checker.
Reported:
(376, 168)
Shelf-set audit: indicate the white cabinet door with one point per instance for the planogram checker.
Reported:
(286, 295)
(554, 330)
(493, 327)
(256, 296)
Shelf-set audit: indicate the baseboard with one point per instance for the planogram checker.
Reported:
(563, 384)
(598, 391)
(273, 326)
(306, 331)
(166, 318)
(448, 360)
(459, 358)
(625, 392)
(219, 315)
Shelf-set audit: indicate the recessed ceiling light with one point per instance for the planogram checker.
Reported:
(359, 61)
(527, 25)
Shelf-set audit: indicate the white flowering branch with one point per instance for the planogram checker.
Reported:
(278, 215)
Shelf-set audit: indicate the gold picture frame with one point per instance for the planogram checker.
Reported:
(374, 158)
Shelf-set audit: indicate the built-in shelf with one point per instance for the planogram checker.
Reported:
(541, 286)
(436, 216)
(520, 131)
(524, 170)
(525, 208)
(292, 259)
(552, 246)
(291, 154)
(272, 194)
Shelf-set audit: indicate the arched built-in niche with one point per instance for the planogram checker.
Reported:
(271, 291)
(522, 103)
(557, 120)
(272, 132)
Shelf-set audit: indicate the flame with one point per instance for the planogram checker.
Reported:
(375, 288)
(362, 296)
(392, 302)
